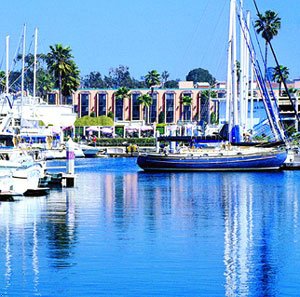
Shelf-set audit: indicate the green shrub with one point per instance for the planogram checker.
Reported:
(126, 141)
(94, 121)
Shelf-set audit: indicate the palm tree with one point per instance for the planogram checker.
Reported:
(186, 101)
(60, 64)
(281, 73)
(152, 79)
(2, 81)
(268, 26)
(146, 101)
(71, 81)
(45, 83)
(121, 94)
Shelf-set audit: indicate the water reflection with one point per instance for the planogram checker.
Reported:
(121, 230)
(61, 227)
(19, 229)
(253, 220)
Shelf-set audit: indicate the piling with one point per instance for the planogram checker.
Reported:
(68, 179)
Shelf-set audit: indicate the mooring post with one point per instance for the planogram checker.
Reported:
(157, 134)
(70, 156)
(69, 177)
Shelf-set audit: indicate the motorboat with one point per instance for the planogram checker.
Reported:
(19, 170)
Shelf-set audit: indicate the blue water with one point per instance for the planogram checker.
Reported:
(123, 232)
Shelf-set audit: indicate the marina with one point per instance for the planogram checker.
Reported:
(159, 234)
(158, 186)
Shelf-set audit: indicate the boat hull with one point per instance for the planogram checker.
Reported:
(177, 162)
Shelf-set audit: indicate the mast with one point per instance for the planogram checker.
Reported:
(229, 70)
(247, 67)
(7, 65)
(235, 132)
(35, 62)
(242, 69)
(23, 62)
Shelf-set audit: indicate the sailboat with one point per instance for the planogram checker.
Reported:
(232, 155)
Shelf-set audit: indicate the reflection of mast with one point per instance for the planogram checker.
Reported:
(35, 259)
(238, 236)
(7, 256)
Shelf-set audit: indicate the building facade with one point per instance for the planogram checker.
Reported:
(167, 104)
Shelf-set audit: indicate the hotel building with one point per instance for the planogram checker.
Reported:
(167, 106)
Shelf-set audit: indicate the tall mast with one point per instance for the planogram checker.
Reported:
(229, 70)
(247, 66)
(7, 65)
(242, 69)
(35, 61)
(23, 62)
(234, 70)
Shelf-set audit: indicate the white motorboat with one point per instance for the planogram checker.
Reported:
(19, 171)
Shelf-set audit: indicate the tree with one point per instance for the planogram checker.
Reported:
(93, 80)
(122, 93)
(200, 75)
(146, 101)
(71, 81)
(268, 26)
(186, 102)
(152, 79)
(165, 75)
(120, 77)
(281, 73)
(2, 81)
(61, 65)
(171, 84)
(45, 83)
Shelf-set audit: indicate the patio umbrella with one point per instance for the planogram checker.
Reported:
(92, 128)
(146, 128)
(106, 130)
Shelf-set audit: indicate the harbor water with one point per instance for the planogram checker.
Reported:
(123, 232)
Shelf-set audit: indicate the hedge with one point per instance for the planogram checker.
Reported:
(125, 141)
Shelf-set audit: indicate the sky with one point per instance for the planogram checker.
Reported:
(172, 35)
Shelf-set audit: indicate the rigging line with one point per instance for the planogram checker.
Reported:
(183, 57)
(195, 31)
(15, 59)
(222, 58)
(279, 70)
(214, 31)
(275, 116)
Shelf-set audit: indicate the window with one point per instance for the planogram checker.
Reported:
(186, 109)
(169, 107)
(135, 106)
(84, 105)
(119, 110)
(52, 99)
(101, 104)
(153, 108)
(69, 100)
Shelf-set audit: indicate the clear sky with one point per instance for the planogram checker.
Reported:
(171, 35)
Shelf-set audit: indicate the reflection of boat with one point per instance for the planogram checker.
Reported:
(214, 160)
